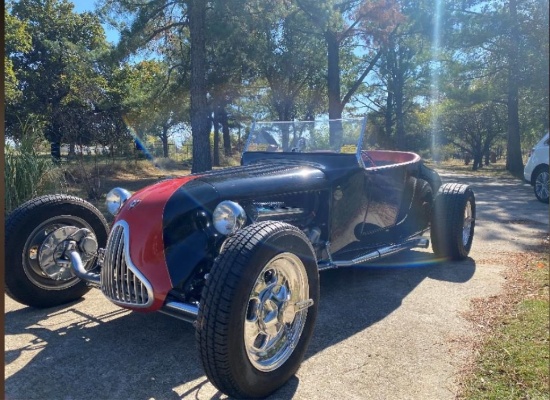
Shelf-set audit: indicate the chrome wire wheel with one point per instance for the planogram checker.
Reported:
(276, 312)
(541, 185)
(467, 225)
(44, 247)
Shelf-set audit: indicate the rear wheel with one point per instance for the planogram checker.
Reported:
(542, 183)
(453, 221)
(35, 236)
(258, 310)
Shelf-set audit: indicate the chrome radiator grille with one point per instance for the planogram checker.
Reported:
(121, 281)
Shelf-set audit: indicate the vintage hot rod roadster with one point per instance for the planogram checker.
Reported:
(238, 251)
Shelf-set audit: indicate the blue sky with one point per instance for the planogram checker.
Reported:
(89, 5)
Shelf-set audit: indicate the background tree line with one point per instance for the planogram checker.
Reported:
(468, 75)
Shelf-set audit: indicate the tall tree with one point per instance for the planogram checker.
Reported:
(495, 39)
(288, 54)
(155, 103)
(62, 75)
(404, 70)
(152, 26)
(341, 23)
(200, 123)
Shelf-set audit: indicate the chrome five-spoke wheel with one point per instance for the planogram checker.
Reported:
(276, 312)
(258, 309)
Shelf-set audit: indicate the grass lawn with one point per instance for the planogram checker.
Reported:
(513, 360)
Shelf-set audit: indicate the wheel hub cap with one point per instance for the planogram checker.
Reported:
(42, 254)
(467, 226)
(541, 185)
(276, 312)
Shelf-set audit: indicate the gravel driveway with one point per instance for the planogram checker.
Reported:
(387, 331)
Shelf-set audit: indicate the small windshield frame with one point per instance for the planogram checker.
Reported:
(341, 136)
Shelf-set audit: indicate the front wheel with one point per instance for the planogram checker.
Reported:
(453, 221)
(258, 309)
(36, 273)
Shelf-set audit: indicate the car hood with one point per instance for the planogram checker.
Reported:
(264, 178)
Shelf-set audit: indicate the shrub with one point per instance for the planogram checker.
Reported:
(28, 175)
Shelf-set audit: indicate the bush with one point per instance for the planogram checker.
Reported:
(28, 175)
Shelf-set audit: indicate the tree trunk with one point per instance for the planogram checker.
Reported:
(200, 123)
(225, 133)
(390, 66)
(388, 117)
(333, 83)
(164, 140)
(216, 151)
(399, 115)
(55, 151)
(514, 161)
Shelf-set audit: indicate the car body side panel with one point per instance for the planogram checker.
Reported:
(373, 206)
(186, 228)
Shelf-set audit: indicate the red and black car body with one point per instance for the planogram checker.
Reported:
(237, 251)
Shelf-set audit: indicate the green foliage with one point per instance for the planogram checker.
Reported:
(28, 174)
(18, 40)
(156, 105)
(472, 128)
(503, 47)
(269, 60)
(61, 73)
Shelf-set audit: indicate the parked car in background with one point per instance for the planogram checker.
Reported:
(238, 251)
(536, 169)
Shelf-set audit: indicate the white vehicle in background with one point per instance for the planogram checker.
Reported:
(536, 169)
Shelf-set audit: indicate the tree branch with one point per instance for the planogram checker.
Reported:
(359, 81)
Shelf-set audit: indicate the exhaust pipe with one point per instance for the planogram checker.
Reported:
(184, 311)
(79, 270)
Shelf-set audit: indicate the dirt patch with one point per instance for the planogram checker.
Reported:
(92, 181)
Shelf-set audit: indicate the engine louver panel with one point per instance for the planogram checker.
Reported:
(121, 281)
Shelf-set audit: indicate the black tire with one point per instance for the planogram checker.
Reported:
(541, 183)
(27, 228)
(228, 302)
(453, 221)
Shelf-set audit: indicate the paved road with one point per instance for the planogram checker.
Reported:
(384, 332)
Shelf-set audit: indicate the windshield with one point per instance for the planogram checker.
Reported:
(337, 136)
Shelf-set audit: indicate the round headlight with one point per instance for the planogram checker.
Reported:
(228, 217)
(116, 199)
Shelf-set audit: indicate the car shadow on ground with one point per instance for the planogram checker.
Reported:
(353, 299)
(120, 354)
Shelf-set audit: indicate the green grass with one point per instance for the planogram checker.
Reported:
(513, 363)
(27, 175)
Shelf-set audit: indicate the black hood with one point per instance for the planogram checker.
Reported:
(263, 179)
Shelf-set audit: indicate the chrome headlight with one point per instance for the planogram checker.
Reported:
(228, 217)
(116, 199)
